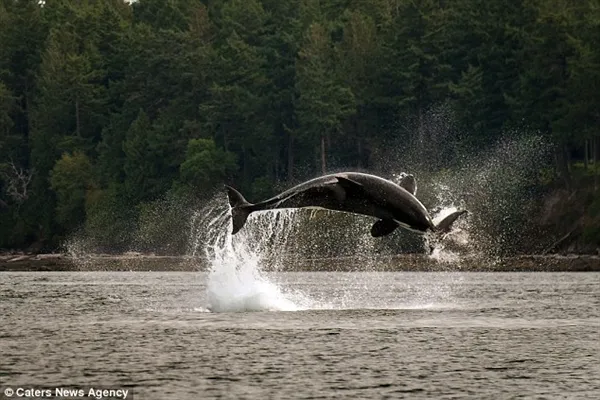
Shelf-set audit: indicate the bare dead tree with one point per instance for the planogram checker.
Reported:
(17, 182)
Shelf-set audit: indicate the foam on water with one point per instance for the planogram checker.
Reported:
(448, 248)
(237, 277)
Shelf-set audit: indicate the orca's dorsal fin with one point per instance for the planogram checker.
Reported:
(347, 182)
(409, 183)
(340, 187)
(383, 227)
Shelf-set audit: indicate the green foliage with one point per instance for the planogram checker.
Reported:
(6, 105)
(591, 228)
(262, 188)
(206, 165)
(323, 101)
(70, 179)
(164, 14)
(110, 222)
(140, 170)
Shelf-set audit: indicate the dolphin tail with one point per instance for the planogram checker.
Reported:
(445, 225)
(240, 208)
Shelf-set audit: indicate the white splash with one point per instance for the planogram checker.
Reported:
(237, 281)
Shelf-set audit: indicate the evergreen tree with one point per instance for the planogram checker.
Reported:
(141, 167)
(323, 101)
(234, 114)
(358, 57)
(282, 34)
(70, 179)
(206, 166)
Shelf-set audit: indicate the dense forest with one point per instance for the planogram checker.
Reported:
(108, 107)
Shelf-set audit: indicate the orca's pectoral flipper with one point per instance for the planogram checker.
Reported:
(383, 227)
(240, 208)
(445, 225)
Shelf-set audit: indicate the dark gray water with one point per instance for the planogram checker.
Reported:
(355, 335)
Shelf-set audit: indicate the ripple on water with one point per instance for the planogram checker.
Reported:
(491, 336)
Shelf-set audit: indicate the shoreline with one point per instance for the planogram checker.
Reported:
(402, 262)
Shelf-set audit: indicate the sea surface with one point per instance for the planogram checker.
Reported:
(299, 335)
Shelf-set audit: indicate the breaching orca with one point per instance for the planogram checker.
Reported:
(353, 192)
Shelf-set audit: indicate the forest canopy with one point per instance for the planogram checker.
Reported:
(107, 106)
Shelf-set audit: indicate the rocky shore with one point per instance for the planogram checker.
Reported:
(404, 262)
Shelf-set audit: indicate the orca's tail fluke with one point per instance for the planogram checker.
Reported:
(445, 225)
(240, 208)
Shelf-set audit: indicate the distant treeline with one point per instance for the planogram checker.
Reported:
(107, 106)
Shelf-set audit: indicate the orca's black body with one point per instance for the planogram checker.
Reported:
(351, 192)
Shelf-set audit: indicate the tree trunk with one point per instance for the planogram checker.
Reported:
(595, 151)
(421, 129)
(323, 155)
(290, 160)
(586, 155)
(276, 166)
(28, 121)
(357, 126)
(245, 164)
(77, 120)
(422, 148)
(27, 110)
(562, 165)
